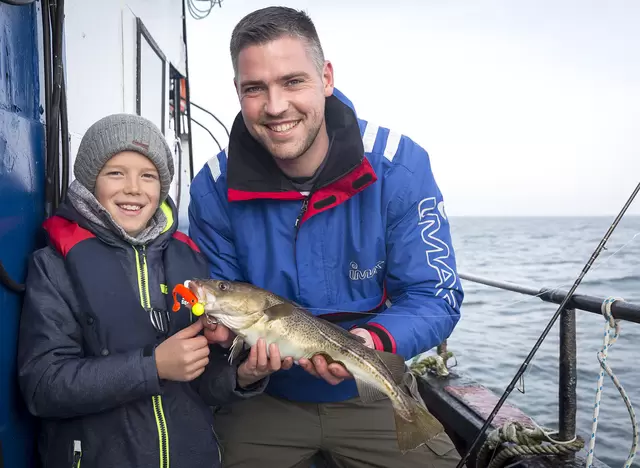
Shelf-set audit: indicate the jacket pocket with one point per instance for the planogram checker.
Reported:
(77, 454)
(441, 445)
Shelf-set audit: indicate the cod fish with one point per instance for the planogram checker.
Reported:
(253, 313)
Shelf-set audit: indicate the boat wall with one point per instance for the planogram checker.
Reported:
(101, 59)
(101, 74)
(22, 146)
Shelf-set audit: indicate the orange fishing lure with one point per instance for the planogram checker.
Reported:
(196, 306)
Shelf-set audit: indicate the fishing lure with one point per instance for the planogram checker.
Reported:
(197, 307)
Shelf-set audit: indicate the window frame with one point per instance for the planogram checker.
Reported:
(143, 33)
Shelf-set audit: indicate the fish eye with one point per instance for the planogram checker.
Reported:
(223, 286)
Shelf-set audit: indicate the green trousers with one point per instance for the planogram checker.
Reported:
(268, 432)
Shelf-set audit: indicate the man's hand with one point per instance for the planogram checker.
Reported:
(368, 339)
(217, 333)
(183, 356)
(333, 373)
(258, 365)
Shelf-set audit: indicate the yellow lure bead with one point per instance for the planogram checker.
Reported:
(197, 309)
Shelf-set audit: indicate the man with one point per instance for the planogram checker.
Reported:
(338, 215)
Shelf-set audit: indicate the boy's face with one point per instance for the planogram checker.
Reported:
(128, 186)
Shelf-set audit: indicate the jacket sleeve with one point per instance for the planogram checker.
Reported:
(421, 277)
(218, 385)
(209, 224)
(56, 379)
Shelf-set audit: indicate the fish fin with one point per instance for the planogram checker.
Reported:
(422, 427)
(367, 392)
(236, 348)
(395, 364)
(273, 300)
(411, 383)
(344, 332)
(278, 311)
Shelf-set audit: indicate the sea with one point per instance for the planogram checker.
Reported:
(498, 328)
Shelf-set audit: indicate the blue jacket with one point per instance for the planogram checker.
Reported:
(369, 247)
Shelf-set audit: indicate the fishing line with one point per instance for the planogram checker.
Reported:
(546, 331)
(495, 308)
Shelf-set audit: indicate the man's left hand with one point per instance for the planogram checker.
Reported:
(333, 373)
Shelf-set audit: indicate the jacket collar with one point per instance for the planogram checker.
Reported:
(68, 226)
(253, 174)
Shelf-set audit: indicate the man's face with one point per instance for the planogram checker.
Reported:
(128, 186)
(282, 96)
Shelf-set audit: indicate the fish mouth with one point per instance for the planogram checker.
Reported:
(197, 288)
(211, 320)
(192, 285)
(207, 300)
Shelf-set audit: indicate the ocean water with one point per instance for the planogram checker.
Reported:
(498, 328)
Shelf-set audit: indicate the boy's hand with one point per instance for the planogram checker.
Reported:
(183, 356)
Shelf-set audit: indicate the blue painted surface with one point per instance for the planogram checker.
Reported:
(22, 165)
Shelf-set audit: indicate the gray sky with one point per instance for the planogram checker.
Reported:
(526, 108)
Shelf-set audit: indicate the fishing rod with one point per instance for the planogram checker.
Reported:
(546, 331)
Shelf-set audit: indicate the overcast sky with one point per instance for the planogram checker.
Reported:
(525, 107)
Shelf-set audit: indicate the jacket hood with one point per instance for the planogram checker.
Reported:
(82, 208)
(344, 99)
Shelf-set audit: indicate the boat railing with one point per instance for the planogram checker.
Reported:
(621, 310)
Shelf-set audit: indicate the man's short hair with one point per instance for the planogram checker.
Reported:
(271, 23)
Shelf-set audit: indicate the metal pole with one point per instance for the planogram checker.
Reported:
(568, 375)
(506, 285)
(621, 310)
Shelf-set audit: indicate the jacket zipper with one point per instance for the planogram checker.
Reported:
(77, 453)
(303, 210)
(145, 300)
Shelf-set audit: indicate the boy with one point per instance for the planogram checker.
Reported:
(118, 378)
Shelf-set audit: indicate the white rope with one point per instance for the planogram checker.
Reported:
(548, 433)
(611, 333)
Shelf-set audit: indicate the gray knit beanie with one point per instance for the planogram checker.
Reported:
(122, 132)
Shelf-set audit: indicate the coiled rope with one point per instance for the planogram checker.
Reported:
(525, 442)
(436, 364)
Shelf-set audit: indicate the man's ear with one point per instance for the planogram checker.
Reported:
(327, 78)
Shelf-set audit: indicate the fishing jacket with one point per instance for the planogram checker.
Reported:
(369, 246)
(95, 309)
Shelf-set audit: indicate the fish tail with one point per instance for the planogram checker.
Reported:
(417, 427)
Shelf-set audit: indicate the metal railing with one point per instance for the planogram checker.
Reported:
(567, 367)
